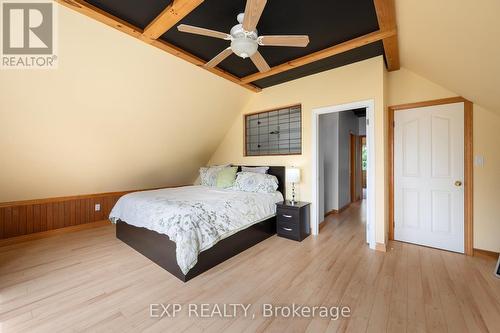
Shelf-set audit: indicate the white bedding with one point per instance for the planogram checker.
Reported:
(194, 217)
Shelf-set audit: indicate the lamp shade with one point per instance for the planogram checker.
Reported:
(292, 175)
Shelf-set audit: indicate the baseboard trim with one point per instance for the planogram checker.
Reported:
(486, 253)
(332, 212)
(381, 247)
(337, 211)
(52, 233)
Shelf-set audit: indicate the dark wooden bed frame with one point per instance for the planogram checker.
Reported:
(161, 250)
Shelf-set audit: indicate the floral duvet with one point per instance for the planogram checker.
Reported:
(194, 217)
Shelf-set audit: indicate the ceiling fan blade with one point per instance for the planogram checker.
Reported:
(260, 62)
(218, 58)
(202, 31)
(253, 11)
(295, 41)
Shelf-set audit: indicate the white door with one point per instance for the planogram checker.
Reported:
(429, 176)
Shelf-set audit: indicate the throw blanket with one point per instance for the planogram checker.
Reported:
(194, 217)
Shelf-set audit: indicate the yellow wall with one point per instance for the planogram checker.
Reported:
(119, 114)
(450, 43)
(487, 179)
(116, 115)
(356, 82)
(405, 86)
(366, 80)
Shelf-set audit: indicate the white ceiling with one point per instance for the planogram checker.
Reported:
(455, 43)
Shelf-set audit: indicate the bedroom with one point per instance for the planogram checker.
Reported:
(119, 115)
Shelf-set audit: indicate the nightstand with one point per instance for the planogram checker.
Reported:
(293, 221)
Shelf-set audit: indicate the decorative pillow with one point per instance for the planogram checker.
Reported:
(208, 176)
(226, 177)
(255, 182)
(255, 169)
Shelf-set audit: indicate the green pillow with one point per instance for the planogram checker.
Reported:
(226, 177)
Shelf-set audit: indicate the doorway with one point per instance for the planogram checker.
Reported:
(430, 196)
(353, 142)
(357, 144)
(317, 211)
(364, 164)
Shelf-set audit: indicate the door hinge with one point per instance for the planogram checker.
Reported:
(367, 121)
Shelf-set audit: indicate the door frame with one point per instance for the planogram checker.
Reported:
(370, 176)
(352, 166)
(360, 143)
(468, 164)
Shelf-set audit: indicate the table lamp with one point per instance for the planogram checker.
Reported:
(293, 176)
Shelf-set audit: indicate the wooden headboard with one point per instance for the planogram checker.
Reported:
(278, 172)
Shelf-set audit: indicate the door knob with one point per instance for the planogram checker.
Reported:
(458, 183)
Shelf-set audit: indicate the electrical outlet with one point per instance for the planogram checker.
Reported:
(97, 207)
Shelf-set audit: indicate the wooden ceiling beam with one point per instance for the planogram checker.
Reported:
(97, 14)
(386, 15)
(170, 16)
(180, 53)
(326, 53)
(180, 8)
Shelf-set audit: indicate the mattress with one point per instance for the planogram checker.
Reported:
(194, 217)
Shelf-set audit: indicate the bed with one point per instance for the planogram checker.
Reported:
(253, 217)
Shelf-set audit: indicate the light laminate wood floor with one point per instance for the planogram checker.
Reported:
(90, 281)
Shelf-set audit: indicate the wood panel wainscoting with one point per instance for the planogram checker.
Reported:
(43, 216)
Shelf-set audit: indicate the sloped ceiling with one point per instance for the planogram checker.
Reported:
(455, 43)
(117, 114)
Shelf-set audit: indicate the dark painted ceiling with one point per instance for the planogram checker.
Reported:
(346, 58)
(136, 12)
(326, 22)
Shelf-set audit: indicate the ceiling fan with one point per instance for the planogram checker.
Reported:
(245, 39)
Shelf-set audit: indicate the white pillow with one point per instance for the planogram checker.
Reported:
(255, 182)
(208, 175)
(255, 169)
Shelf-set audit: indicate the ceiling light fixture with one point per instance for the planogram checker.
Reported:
(243, 43)
(245, 39)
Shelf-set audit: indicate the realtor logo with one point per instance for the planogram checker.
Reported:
(28, 34)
